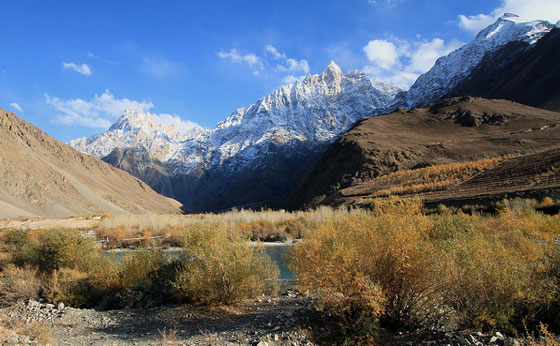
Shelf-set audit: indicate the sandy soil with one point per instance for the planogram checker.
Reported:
(49, 223)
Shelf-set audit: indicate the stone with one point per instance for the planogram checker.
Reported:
(463, 341)
(471, 338)
(262, 343)
(11, 338)
(60, 306)
(493, 340)
(499, 335)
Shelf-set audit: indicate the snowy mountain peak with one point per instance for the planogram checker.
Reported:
(134, 119)
(135, 129)
(452, 68)
(332, 72)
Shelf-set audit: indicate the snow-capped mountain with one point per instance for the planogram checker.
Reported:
(260, 153)
(264, 145)
(313, 111)
(452, 68)
(134, 129)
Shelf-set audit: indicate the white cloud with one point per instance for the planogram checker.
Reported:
(83, 68)
(160, 67)
(98, 112)
(102, 110)
(425, 54)
(234, 56)
(529, 9)
(399, 63)
(16, 106)
(289, 65)
(386, 3)
(382, 53)
(184, 126)
(272, 62)
(269, 48)
(290, 79)
(475, 23)
(93, 56)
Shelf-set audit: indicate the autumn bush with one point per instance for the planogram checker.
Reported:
(145, 279)
(221, 267)
(398, 268)
(19, 283)
(372, 270)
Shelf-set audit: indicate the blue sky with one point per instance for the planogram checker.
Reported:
(71, 67)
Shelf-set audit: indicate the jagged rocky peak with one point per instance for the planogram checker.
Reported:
(136, 128)
(452, 68)
(332, 72)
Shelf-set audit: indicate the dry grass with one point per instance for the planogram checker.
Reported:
(169, 337)
(38, 332)
(19, 283)
(432, 178)
(169, 230)
(135, 223)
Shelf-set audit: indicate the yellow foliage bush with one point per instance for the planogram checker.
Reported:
(221, 267)
(69, 286)
(370, 269)
(19, 283)
(399, 268)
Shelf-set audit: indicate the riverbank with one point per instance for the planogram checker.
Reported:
(288, 319)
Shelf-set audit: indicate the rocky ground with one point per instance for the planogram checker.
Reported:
(266, 321)
(283, 320)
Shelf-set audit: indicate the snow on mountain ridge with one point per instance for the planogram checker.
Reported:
(450, 69)
(136, 128)
(312, 111)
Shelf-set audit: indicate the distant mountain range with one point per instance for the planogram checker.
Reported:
(261, 153)
(40, 176)
(265, 146)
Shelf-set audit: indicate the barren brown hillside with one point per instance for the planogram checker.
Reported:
(40, 176)
(437, 152)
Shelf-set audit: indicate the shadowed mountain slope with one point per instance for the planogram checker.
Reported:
(518, 72)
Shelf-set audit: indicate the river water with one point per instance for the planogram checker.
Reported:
(276, 252)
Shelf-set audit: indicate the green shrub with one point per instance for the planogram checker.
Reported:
(71, 287)
(60, 248)
(20, 247)
(146, 279)
(221, 268)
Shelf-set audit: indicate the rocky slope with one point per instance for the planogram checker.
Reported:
(449, 131)
(40, 176)
(520, 72)
(451, 69)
